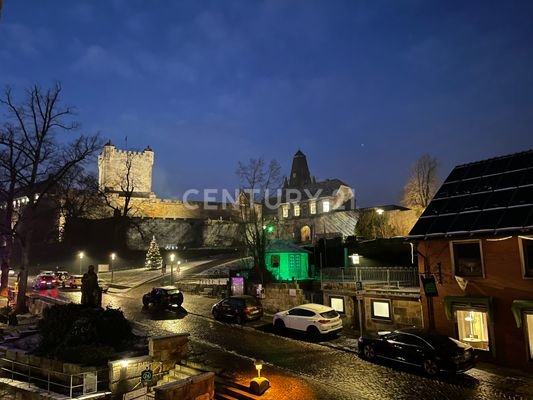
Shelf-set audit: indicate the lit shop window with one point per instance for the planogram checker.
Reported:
(325, 206)
(381, 310)
(285, 211)
(529, 327)
(296, 210)
(337, 303)
(312, 207)
(473, 328)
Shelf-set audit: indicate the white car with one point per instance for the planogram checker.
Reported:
(313, 319)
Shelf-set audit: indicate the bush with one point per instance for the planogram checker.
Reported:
(68, 331)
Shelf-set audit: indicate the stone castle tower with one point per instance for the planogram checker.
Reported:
(300, 175)
(119, 169)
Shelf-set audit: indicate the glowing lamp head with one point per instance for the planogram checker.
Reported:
(258, 366)
(380, 211)
(172, 257)
(124, 363)
(113, 256)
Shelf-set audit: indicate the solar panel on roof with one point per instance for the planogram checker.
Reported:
(463, 222)
(521, 196)
(487, 220)
(485, 184)
(421, 226)
(457, 174)
(510, 179)
(514, 217)
(476, 201)
(500, 198)
(446, 190)
(497, 165)
(435, 207)
(441, 224)
(474, 170)
(527, 178)
(522, 160)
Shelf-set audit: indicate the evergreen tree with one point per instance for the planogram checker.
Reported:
(153, 256)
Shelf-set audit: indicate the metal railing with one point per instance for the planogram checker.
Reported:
(398, 276)
(58, 382)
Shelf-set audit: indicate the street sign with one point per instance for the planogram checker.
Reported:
(358, 285)
(89, 382)
(147, 375)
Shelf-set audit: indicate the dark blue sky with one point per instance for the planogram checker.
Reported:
(362, 88)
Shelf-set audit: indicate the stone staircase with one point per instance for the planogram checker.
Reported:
(225, 388)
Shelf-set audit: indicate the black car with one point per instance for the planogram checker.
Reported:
(434, 353)
(165, 297)
(239, 308)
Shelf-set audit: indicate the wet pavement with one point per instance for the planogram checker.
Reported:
(299, 368)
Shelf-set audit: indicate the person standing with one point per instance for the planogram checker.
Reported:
(89, 288)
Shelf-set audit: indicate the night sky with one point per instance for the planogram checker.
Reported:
(362, 88)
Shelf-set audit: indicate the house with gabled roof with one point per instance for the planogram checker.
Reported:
(475, 247)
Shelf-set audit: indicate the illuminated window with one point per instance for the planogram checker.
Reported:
(473, 328)
(325, 206)
(296, 210)
(274, 261)
(381, 310)
(285, 210)
(312, 207)
(337, 303)
(529, 327)
(467, 259)
(527, 256)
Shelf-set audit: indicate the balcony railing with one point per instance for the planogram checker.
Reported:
(393, 276)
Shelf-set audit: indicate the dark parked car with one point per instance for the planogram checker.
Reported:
(239, 308)
(434, 353)
(165, 297)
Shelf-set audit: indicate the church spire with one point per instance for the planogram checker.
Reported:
(300, 175)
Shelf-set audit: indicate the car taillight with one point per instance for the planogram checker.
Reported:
(247, 309)
(43, 281)
(323, 321)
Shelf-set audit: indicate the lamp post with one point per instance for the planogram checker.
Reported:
(179, 263)
(80, 255)
(172, 256)
(113, 256)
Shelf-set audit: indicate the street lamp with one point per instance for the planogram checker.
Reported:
(172, 256)
(179, 263)
(113, 256)
(80, 255)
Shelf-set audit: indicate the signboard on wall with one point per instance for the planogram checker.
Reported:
(237, 285)
(430, 286)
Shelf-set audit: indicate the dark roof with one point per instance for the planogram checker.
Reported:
(284, 246)
(488, 197)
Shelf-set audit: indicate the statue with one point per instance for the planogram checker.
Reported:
(89, 288)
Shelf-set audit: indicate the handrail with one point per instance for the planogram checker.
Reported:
(70, 388)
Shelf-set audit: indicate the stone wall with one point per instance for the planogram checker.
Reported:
(198, 387)
(405, 313)
(189, 233)
(282, 296)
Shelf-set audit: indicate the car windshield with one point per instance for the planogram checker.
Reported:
(330, 314)
(172, 291)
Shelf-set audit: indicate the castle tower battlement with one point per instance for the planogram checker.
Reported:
(121, 169)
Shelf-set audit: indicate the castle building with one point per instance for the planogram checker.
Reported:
(308, 210)
(122, 170)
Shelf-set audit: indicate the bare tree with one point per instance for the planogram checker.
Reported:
(36, 162)
(258, 180)
(422, 184)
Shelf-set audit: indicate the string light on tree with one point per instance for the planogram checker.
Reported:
(153, 255)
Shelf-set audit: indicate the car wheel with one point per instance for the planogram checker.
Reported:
(369, 352)
(238, 319)
(313, 332)
(430, 367)
(279, 325)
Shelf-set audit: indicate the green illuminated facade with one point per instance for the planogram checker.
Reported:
(287, 261)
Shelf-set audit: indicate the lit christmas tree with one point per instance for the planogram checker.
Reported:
(153, 256)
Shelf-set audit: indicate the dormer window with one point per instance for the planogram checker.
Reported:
(312, 207)
(325, 206)
(296, 210)
(285, 211)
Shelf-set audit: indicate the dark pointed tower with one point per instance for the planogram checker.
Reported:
(300, 174)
